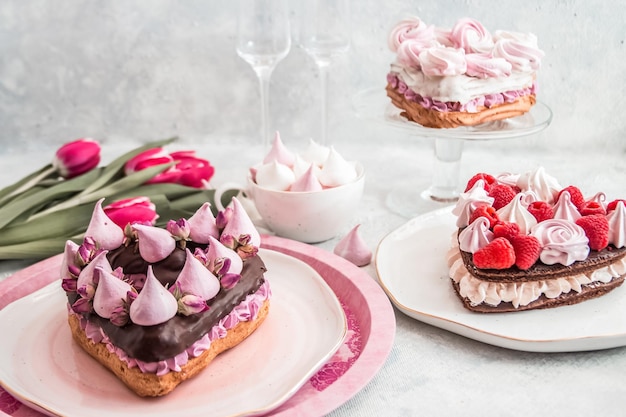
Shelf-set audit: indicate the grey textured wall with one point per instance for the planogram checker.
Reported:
(148, 69)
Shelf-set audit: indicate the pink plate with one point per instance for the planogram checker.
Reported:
(371, 329)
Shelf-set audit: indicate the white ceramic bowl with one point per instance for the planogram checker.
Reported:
(308, 217)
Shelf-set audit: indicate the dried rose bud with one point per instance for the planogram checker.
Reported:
(119, 316)
(191, 304)
(228, 281)
(179, 228)
(69, 284)
(82, 305)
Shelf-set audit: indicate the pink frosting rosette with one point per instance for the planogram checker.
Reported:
(486, 66)
(442, 36)
(475, 236)
(409, 51)
(409, 28)
(561, 241)
(443, 61)
(471, 36)
(523, 56)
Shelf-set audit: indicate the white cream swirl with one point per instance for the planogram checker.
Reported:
(508, 178)
(409, 28)
(409, 52)
(561, 241)
(516, 212)
(617, 225)
(522, 56)
(443, 61)
(485, 66)
(543, 185)
(469, 201)
(470, 35)
(475, 236)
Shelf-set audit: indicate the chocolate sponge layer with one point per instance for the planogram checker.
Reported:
(540, 271)
(593, 290)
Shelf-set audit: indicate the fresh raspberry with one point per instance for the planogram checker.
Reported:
(489, 180)
(502, 194)
(541, 210)
(497, 254)
(596, 227)
(577, 197)
(527, 249)
(591, 207)
(506, 230)
(613, 204)
(485, 211)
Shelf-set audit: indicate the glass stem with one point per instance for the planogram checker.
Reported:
(323, 71)
(264, 75)
(446, 172)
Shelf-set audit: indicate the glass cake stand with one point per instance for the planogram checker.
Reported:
(373, 104)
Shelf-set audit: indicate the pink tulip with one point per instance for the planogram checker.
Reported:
(132, 210)
(147, 159)
(77, 157)
(189, 170)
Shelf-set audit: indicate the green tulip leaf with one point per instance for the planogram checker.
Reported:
(60, 224)
(35, 250)
(60, 191)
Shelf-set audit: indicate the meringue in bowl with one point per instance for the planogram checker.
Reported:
(308, 216)
(309, 197)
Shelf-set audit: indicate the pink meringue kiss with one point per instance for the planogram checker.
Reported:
(196, 279)
(240, 225)
(217, 250)
(202, 225)
(279, 153)
(308, 182)
(155, 244)
(87, 274)
(103, 230)
(353, 248)
(154, 304)
(110, 293)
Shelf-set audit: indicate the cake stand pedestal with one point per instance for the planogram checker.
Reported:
(409, 198)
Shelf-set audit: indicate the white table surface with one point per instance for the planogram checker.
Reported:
(432, 372)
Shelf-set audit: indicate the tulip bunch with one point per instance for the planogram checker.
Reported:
(39, 213)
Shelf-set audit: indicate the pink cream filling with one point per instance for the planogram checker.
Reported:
(247, 310)
(471, 106)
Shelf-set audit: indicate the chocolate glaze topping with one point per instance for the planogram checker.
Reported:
(163, 341)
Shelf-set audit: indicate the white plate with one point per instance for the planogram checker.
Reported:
(40, 365)
(412, 269)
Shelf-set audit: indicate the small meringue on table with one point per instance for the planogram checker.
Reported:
(353, 248)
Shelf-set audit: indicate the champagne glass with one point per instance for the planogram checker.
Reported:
(263, 40)
(325, 35)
